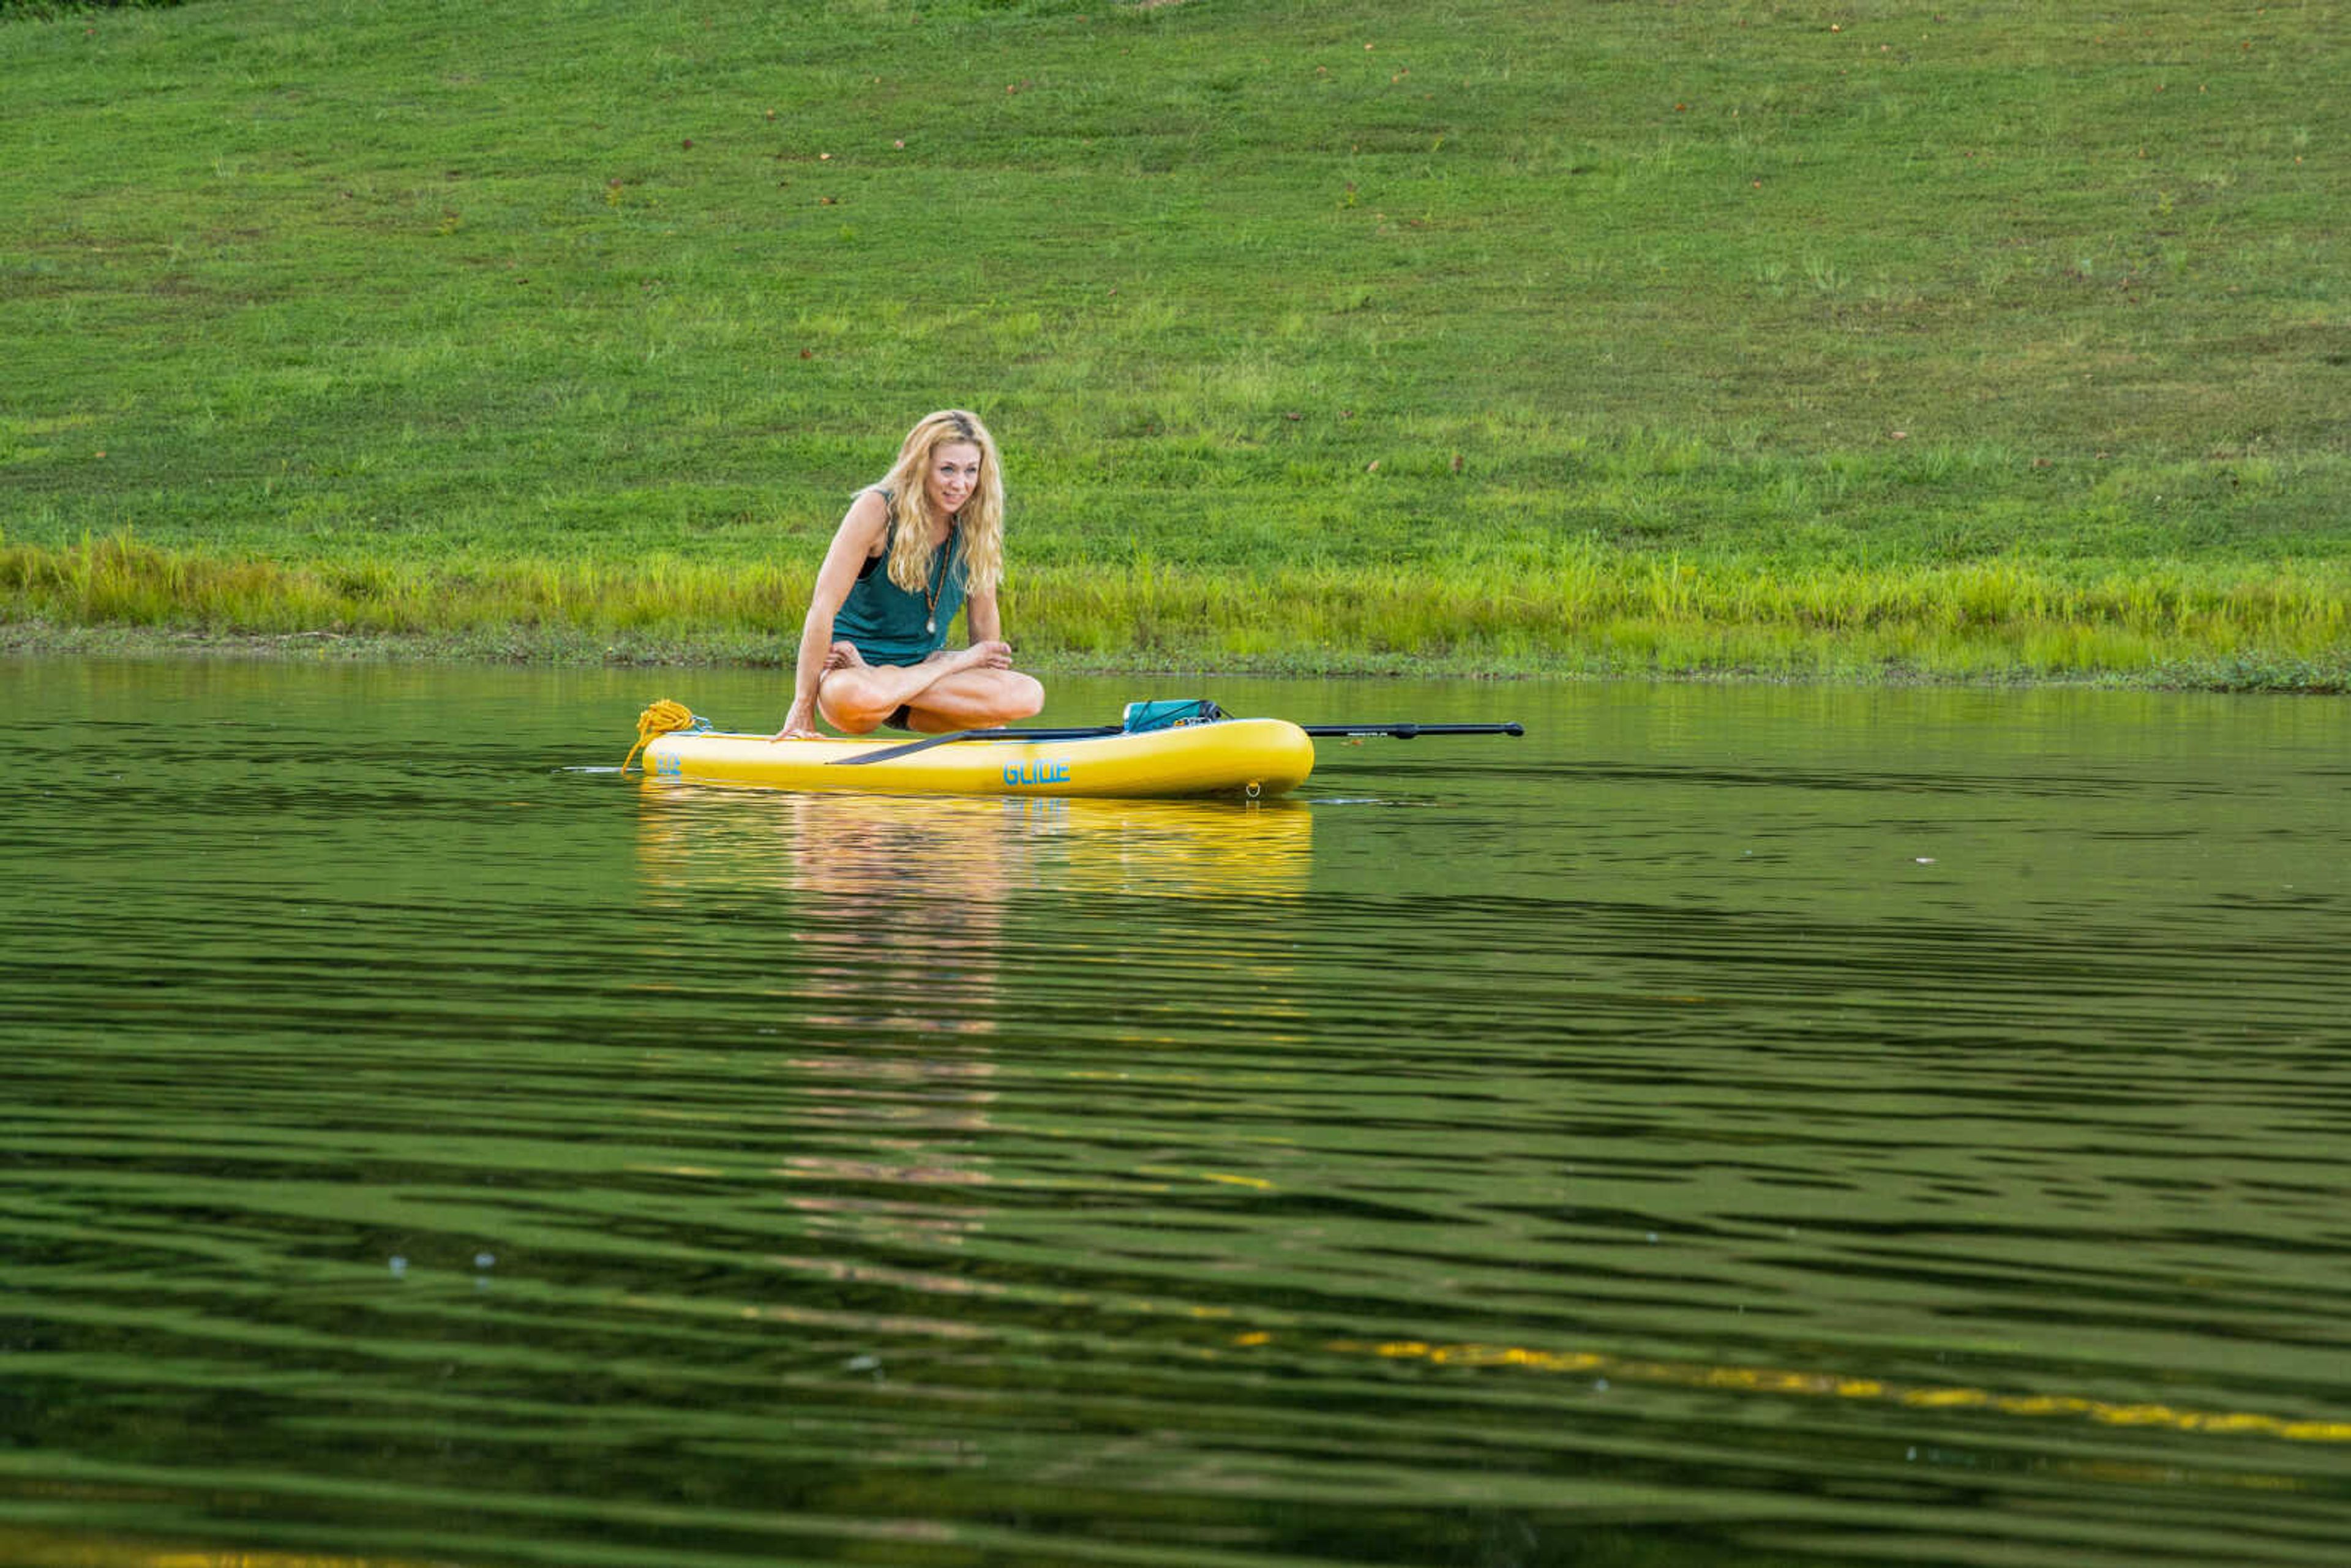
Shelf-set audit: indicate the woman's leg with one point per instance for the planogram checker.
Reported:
(971, 688)
(974, 699)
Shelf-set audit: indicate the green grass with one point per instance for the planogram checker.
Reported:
(2002, 341)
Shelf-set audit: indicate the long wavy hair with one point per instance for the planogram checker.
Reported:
(908, 493)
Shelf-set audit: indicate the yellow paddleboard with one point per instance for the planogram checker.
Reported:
(1247, 756)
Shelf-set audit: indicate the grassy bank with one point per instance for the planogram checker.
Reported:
(1793, 339)
(2262, 629)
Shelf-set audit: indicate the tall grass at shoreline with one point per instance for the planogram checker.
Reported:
(1616, 613)
(2002, 341)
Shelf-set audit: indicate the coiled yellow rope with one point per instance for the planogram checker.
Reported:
(657, 721)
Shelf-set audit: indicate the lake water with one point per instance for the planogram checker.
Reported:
(1727, 1126)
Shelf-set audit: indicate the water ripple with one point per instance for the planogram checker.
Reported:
(1598, 1147)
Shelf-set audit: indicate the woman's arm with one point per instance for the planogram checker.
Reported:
(858, 538)
(981, 619)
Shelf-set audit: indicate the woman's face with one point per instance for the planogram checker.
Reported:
(953, 475)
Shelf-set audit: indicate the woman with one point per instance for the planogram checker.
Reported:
(926, 540)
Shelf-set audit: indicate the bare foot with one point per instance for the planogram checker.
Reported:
(978, 656)
(843, 657)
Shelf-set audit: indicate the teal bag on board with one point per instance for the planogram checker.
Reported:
(1169, 713)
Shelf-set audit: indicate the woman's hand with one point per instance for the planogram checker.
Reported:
(798, 724)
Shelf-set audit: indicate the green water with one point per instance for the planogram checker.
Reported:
(1725, 1126)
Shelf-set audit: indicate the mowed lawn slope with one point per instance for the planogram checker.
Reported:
(1998, 339)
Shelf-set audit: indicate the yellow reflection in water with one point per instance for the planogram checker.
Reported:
(901, 913)
(69, 1549)
(1770, 1380)
(907, 899)
(894, 852)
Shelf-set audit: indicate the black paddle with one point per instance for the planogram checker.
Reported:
(1396, 731)
(928, 741)
(1408, 731)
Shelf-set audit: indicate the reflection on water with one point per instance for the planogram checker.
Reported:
(927, 856)
(915, 903)
(1723, 1127)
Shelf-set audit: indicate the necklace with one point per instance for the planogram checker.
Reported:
(938, 581)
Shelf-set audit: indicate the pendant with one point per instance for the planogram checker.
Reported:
(931, 627)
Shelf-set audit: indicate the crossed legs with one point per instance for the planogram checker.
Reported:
(969, 688)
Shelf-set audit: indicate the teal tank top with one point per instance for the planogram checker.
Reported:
(892, 626)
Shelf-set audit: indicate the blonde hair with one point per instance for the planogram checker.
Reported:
(907, 493)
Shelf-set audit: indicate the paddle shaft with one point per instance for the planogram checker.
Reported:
(1411, 731)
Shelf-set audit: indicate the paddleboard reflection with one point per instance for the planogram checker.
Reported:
(872, 890)
(915, 855)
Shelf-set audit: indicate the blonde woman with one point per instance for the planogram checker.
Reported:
(913, 550)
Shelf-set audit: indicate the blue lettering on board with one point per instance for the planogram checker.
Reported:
(1028, 773)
